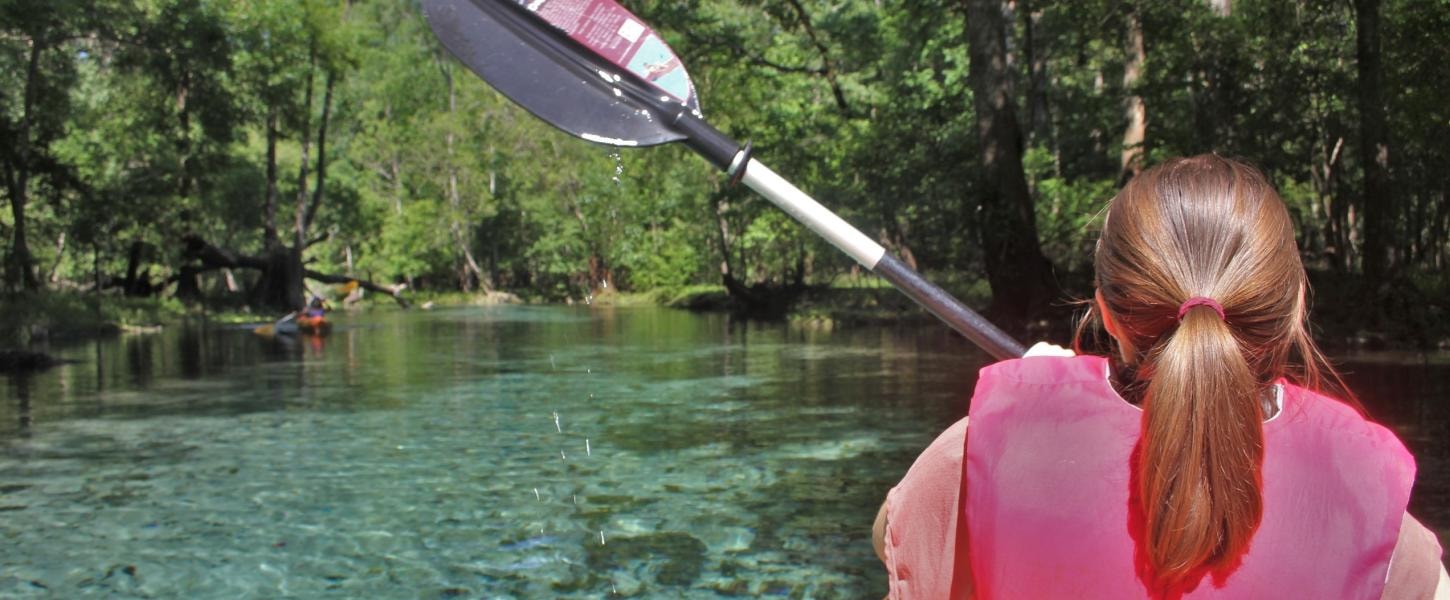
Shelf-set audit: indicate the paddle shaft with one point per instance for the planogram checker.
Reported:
(728, 155)
(871, 255)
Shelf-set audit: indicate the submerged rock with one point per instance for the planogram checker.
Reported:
(683, 556)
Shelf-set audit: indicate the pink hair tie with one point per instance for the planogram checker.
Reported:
(1200, 301)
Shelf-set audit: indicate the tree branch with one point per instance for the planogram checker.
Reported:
(740, 52)
(317, 240)
(829, 68)
(213, 258)
(396, 291)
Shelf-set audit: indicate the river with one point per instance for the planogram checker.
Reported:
(516, 451)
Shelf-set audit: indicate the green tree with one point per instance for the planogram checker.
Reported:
(37, 43)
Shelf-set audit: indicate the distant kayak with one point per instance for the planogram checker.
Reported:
(290, 325)
(315, 325)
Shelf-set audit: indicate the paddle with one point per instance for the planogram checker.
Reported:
(272, 329)
(594, 70)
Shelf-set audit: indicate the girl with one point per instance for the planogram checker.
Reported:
(1217, 454)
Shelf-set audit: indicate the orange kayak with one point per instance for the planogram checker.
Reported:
(313, 324)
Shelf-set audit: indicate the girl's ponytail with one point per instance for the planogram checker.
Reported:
(1198, 469)
(1202, 366)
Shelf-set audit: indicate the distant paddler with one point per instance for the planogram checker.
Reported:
(313, 319)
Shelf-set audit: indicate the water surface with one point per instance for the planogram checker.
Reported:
(528, 452)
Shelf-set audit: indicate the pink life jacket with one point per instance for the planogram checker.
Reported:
(1047, 492)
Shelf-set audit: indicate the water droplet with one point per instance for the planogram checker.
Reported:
(556, 422)
(601, 537)
(537, 496)
(618, 167)
(561, 455)
(551, 362)
(587, 451)
(576, 498)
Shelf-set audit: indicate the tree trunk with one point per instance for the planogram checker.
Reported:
(21, 268)
(1379, 204)
(280, 285)
(394, 166)
(134, 256)
(269, 213)
(600, 274)
(1136, 111)
(1326, 178)
(299, 227)
(722, 206)
(321, 185)
(54, 275)
(1020, 276)
(183, 141)
(1039, 109)
(472, 274)
(893, 237)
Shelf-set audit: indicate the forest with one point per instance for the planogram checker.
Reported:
(242, 152)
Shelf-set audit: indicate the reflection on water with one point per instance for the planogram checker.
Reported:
(511, 451)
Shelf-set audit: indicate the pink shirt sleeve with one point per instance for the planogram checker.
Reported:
(1415, 565)
(921, 520)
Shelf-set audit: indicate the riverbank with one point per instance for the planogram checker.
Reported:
(1411, 314)
(33, 322)
(37, 319)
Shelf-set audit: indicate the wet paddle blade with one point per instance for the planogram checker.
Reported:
(588, 67)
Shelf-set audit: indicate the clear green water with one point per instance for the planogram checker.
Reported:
(419, 455)
(507, 452)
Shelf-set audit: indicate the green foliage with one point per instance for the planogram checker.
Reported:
(149, 120)
(1069, 211)
(413, 245)
(661, 257)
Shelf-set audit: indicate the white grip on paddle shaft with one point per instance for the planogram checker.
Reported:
(809, 212)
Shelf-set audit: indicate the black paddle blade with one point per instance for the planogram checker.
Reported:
(588, 67)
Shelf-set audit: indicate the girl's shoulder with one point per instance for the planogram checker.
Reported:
(1314, 410)
(1047, 370)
